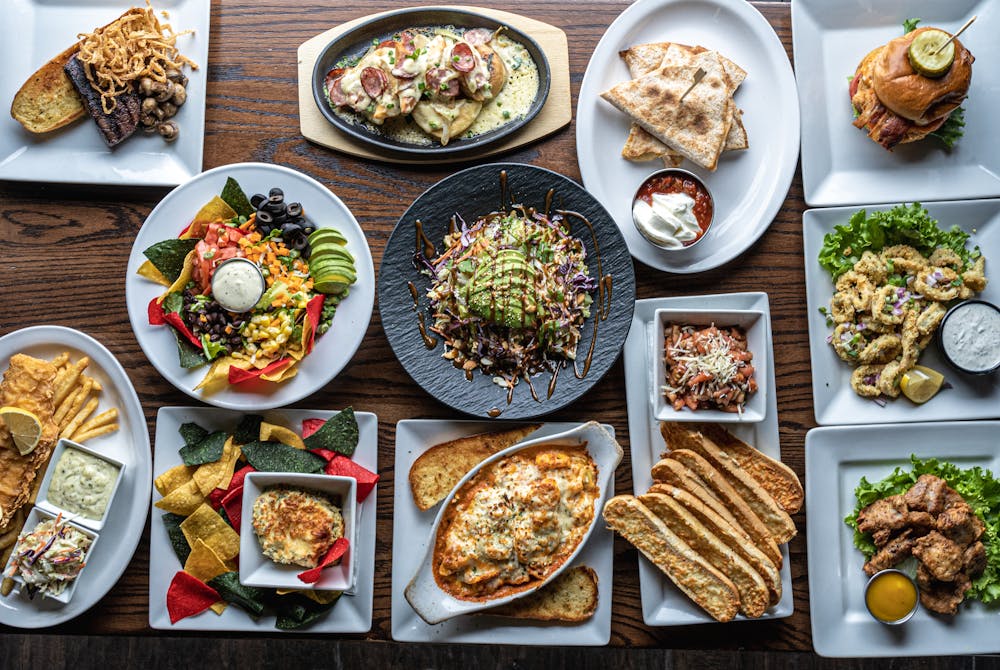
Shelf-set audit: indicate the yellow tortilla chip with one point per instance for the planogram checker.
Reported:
(205, 524)
(172, 479)
(209, 475)
(149, 271)
(204, 563)
(269, 431)
(217, 377)
(182, 500)
(183, 278)
(214, 210)
(322, 597)
(229, 467)
(287, 371)
(219, 607)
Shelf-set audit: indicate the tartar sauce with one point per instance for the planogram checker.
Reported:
(237, 284)
(669, 221)
(970, 336)
(82, 484)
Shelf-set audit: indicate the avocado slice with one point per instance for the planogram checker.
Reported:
(502, 290)
(321, 235)
(324, 249)
(333, 266)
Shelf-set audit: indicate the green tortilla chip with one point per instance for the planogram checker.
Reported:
(208, 450)
(339, 434)
(172, 302)
(192, 433)
(234, 196)
(248, 430)
(296, 611)
(249, 598)
(278, 457)
(187, 354)
(168, 256)
(172, 522)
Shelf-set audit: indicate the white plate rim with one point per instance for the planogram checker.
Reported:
(825, 449)
(656, 591)
(408, 550)
(139, 473)
(163, 562)
(359, 304)
(608, 47)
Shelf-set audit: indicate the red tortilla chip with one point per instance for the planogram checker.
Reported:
(310, 426)
(158, 317)
(188, 596)
(343, 466)
(238, 376)
(338, 549)
(233, 504)
(325, 454)
(237, 481)
(214, 499)
(314, 309)
(155, 312)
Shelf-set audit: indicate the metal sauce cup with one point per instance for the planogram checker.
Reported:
(916, 596)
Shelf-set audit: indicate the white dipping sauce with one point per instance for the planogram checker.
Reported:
(237, 285)
(669, 221)
(971, 337)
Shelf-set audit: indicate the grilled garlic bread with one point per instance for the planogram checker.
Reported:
(48, 100)
(570, 597)
(670, 472)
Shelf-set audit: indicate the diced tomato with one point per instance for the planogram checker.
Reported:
(219, 244)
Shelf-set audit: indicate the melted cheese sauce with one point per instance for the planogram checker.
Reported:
(508, 106)
(515, 522)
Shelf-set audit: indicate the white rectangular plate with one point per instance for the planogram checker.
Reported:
(411, 530)
(77, 153)
(840, 164)
(836, 460)
(834, 401)
(662, 603)
(351, 614)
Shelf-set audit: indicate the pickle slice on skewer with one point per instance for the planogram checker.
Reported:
(928, 57)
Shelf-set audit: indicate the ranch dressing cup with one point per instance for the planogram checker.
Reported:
(969, 337)
(237, 284)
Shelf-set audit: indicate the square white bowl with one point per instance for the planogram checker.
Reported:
(256, 569)
(36, 516)
(756, 323)
(43, 491)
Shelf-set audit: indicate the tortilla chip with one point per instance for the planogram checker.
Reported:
(183, 500)
(269, 431)
(218, 473)
(217, 377)
(203, 563)
(219, 607)
(188, 596)
(321, 597)
(214, 210)
(172, 479)
(333, 555)
(183, 278)
(149, 271)
(206, 525)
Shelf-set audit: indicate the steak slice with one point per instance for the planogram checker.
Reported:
(121, 122)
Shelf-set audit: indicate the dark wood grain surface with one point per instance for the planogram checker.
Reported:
(53, 237)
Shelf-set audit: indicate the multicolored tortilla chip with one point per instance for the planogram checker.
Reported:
(333, 555)
(316, 595)
(217, 376)
(212, 211)
(232, 503)
(310, 426)
(188, 596)
(183, 500)
(270, 431)
(203, 563)
(206, 525)
(314, 308)
(172, 479)
(149, 271)
(343, 466)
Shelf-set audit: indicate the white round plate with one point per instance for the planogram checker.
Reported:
(748, 186)
(333, 350)
(130, 445)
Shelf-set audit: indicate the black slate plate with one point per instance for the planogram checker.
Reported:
(473, 193)
(355, 42)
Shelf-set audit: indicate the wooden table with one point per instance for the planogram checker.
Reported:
(52, 236)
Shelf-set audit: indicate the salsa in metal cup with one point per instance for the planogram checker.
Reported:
(673, 209)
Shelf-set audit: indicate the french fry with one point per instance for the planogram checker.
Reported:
(80, 417)
(74, 408)
(61, 359)
(8, 538)
(7, 585)
(101, 419)
(72, 376)
(95, 432)
(64, 407)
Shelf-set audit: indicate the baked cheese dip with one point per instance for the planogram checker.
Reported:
(296, 526)
(515, 522)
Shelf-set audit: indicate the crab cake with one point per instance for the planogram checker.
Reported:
(296, 526)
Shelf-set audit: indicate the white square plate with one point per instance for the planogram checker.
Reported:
(833, 400)
(840, 164)
(351, 614)
(411, 532)
(77, 153)
(662, 603)
(836, 460)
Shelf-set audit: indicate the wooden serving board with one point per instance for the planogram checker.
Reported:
(555, 114)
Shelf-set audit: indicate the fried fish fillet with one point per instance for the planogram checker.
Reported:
(27, 384)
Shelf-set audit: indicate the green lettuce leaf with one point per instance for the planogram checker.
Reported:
(979, 488)
(951, 130)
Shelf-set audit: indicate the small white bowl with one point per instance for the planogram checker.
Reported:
(435, 605)
(256, 569)
(43, 490)
(36, 516)
(758, 331)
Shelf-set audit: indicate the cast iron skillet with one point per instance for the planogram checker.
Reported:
(355, 42)
(473, 193)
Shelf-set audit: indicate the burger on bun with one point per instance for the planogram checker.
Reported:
(906, 89)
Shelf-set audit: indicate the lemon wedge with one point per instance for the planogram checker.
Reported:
(25, 428)
(920, 384)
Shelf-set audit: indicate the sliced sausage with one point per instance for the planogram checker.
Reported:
(478, 36)
(406, 42)
(333, 89)
(441, 83)
(374, 81)
(462, 58)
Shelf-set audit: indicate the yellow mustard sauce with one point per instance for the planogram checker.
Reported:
(891, 596)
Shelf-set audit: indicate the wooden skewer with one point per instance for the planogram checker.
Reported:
(698, 76)
(960, 31)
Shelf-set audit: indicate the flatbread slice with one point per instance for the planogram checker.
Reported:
(695, 127)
